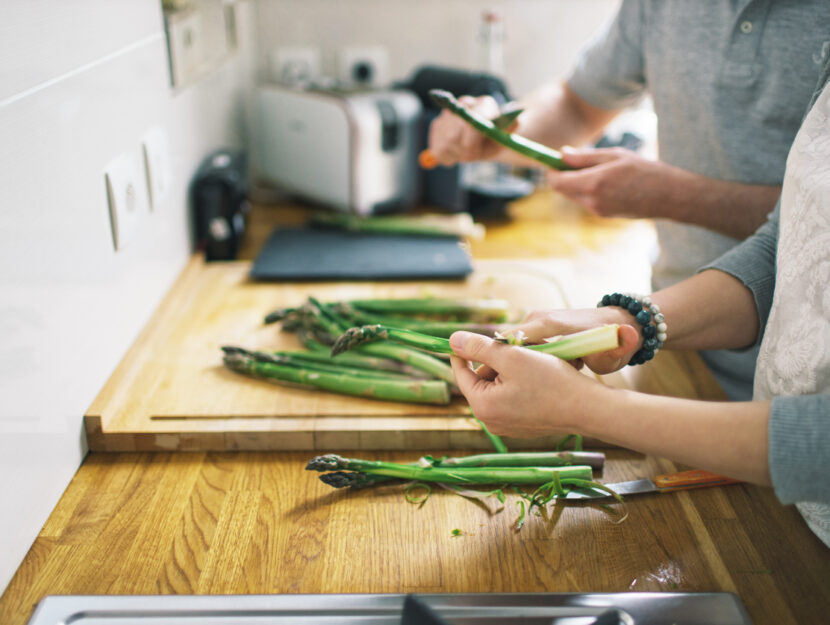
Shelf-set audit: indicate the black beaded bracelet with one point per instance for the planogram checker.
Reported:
(648, 315)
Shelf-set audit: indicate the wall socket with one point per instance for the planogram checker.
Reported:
(295, 65)
(124, 197)
(363, 65)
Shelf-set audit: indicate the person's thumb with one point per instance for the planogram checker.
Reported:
(476, 348)
(579, 159)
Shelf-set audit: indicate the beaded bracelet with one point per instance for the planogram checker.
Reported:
(648, 315)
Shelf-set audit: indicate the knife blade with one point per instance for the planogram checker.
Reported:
(508, 115)
(666, 483)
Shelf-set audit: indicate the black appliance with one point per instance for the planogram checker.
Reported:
(219, 203)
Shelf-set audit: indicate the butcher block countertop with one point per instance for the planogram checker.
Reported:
(228, 518)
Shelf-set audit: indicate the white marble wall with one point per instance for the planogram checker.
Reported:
(80, 83)
(542, 37)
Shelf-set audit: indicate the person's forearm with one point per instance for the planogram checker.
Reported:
(710, 310)
(730, 208)
(555, 116)
(727, 438)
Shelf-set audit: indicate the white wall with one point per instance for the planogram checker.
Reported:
(80, 83)
(542, 37)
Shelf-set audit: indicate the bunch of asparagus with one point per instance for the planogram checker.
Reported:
(493, 468)
(397, 347)
(553, 474)
(380, 370)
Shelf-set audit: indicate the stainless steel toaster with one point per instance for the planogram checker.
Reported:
(351, 151)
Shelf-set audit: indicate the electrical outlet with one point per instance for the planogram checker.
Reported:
(155, 150)
(124, 198)
(295, 65)
(363, 65)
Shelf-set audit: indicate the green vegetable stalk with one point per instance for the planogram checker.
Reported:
(402, 390)
(536, 151)
(441, 474)
(568, 347)
(459, 225)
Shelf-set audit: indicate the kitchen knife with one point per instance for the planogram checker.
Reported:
(427, 160)
(683, 480)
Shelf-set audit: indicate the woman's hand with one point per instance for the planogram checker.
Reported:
(540, 325)
(524, 393)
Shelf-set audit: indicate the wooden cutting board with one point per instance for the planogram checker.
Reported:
(171, 390)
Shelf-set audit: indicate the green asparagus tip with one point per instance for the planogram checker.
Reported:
(327, 462)
(442, 98)
(231, 350)
(353, 337)
(278, 315)
(347, 479)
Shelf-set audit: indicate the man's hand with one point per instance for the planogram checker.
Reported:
(615, 182)
(452, 140)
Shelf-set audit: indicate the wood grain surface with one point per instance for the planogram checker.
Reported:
(256, 522)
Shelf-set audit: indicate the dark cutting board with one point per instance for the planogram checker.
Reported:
(303, 253)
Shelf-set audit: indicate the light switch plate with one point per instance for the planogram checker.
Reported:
(124, 197)
(295, 65)
(155, 150)
(185, 46)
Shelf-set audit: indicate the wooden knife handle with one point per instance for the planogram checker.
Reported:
(696, 478)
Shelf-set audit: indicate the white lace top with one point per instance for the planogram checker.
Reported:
(795, 351)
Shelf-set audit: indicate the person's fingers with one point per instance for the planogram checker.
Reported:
(478, 348)
(486, 372)
(443, 140)
(606, 362)
(580, 159)
(573, 183)
(466, 379)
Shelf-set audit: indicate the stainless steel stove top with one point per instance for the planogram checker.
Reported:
(631, 608)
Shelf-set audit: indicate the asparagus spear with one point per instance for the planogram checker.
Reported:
(575, 345)
(448, 475)
(359, 358)
(417, 391)
(595, 460)
(470, 309)
(522, 145)
(329, 320)
(426, 326)
(458, 225)
(315, 362)
(475, 310)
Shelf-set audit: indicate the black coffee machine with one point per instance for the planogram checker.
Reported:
(453, 188)
(219, 204)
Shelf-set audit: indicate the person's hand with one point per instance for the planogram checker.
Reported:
(615, 182)
(543, 324)
(452, 140)
(529, 394)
